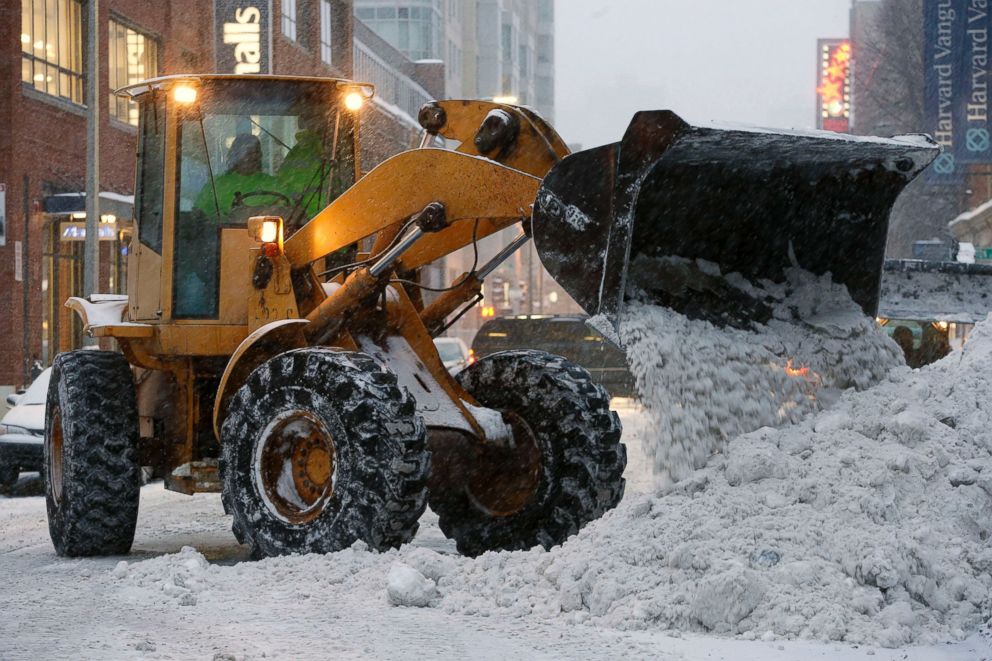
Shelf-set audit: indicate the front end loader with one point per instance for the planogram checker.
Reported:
(276, 347)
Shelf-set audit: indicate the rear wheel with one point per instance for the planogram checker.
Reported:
(92, 477)
(320, 449)
(563, 468)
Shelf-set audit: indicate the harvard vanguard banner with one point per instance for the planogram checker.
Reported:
(243, 36)
(956, 83)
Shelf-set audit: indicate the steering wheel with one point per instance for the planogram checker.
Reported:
(239, 197)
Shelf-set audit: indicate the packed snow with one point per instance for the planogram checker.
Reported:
(867, 522)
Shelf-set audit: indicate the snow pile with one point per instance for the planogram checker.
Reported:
(867, 523)
(408, 587)
(704, 385)
(178, 578)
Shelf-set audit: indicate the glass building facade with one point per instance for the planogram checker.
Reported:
(415, 27)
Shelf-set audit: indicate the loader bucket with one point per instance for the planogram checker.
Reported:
(752, 201)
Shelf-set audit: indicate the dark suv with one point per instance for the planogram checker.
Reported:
(569, 337)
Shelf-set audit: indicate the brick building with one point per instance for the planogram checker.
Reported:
(43, 133)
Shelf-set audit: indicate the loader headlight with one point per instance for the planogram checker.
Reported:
(270, 232)
(355, 96)
(184, 93)
(266, 229)
(354, 101)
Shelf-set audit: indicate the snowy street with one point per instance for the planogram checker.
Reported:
(320, 608)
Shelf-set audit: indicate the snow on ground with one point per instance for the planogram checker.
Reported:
(170, 602)
(848, 533)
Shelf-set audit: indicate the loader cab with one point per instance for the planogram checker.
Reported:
(214, 151)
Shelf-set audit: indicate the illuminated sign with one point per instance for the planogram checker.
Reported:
(77, 231)
(243, 36)
(833, 92)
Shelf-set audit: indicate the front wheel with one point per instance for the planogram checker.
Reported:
(321, 448)
(563, 468)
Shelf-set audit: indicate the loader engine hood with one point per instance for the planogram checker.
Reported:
(752, 201)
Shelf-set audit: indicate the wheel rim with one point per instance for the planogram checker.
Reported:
(294, 467)
(505, 478)
(55, 458)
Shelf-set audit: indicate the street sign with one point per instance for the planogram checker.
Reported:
(18, 262)
(3, 214)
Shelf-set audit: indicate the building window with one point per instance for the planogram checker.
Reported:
(52, 47)
(289, 18)
(545, 49)
(506, 43)
(415, 30)
(326, 30)
(133, 57)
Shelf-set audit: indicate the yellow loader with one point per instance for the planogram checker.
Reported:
(275, 345)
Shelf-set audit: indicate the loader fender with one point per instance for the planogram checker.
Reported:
(263, 343)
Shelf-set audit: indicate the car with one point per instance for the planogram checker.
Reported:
(22, 431)
(567, 336)
(454, 353)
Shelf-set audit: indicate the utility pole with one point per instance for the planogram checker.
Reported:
(91, 252)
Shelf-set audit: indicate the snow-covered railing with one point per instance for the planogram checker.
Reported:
(396, 92)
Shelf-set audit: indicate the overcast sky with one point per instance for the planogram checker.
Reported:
(749, 61)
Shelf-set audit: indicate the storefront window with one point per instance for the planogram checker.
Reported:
(133, 58)
(51, 47)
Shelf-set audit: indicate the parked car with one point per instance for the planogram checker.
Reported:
(454, 353)
(567, 336)
(22, 431)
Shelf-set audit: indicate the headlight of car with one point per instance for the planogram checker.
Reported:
(11, 429)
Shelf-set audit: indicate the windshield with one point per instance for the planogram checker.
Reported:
(252, 148)
(277, 144)
(38, 390)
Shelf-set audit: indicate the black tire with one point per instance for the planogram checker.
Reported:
(8, 474)
(347, 411)
(580, 475)
(92, 477)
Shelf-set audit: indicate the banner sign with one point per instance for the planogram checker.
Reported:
(833, 92)
(956, 84)
(243, 36)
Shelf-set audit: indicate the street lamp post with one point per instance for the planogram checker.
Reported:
(91, 251)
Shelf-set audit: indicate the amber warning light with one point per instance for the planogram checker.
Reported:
(834, 88)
